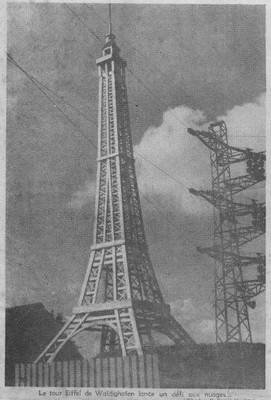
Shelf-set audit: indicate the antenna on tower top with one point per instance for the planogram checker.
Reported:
(110, 22)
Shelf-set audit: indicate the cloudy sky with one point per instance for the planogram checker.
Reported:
(189, 65)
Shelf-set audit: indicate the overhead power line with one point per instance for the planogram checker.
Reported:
(93, 121)
(161, 170)
(155, 97)
(169, 222)
(88, 28)
(11, 59)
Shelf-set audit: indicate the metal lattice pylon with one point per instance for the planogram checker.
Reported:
(232, 293)
(120, 295)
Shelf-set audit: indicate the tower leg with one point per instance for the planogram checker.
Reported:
(118, 329)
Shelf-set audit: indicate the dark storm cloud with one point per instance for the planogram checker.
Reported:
(207, 58)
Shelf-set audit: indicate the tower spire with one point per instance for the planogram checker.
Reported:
(110, 20)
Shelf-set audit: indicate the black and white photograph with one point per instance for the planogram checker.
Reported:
(135, 201)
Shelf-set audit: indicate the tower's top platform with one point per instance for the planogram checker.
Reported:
(110, 50)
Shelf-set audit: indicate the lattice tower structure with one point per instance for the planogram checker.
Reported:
(233, 293)
(120, 295)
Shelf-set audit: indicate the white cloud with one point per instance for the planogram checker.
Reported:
(246, 124)
(172, 149)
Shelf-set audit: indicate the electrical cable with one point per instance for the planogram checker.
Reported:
(88, 28)
(65, 101)
(160, 169)
(170, 223)
(55, 105)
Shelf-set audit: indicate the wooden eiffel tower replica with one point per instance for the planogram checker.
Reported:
(120, 295)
